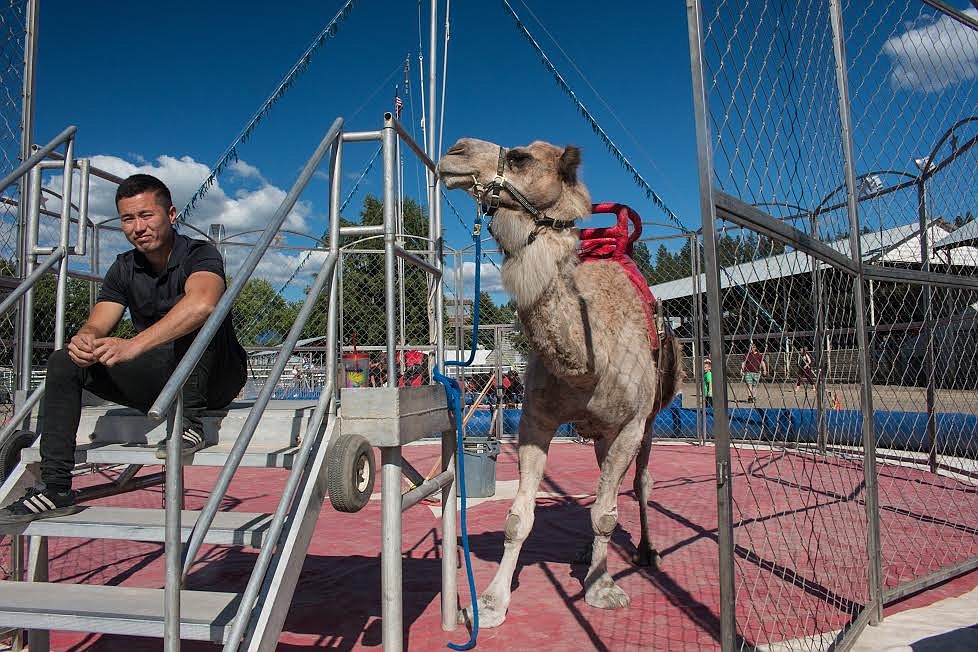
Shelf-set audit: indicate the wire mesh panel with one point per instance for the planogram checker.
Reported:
(915, 129)
(12, 42)
(801, 568)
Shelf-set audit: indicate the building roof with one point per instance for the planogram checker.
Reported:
(900, 244)
(966, 235)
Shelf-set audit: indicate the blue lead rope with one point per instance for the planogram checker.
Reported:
(454, 395)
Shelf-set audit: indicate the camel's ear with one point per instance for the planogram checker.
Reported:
(569, 162)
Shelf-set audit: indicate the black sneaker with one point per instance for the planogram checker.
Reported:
(39, 503)
(191, 442)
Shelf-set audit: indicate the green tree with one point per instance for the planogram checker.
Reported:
(262, 317)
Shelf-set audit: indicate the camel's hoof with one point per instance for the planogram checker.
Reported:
(607, 595)
(489, 617)
(647, 557)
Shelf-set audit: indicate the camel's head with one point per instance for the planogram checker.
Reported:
(546, 175)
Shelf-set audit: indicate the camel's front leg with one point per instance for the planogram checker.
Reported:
(646, 554)
(494, 601)
(600, 589)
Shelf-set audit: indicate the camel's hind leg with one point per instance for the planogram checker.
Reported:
(646, 555)
(534, 443)
(600, 589)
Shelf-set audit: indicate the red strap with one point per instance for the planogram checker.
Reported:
(615, 243)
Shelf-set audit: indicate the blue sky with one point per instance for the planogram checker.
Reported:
(172, 88)
(167, 91)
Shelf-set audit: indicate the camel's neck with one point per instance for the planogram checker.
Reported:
(540, 278)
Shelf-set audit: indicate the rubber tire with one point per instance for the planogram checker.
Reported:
(10, 451)
(350, 472)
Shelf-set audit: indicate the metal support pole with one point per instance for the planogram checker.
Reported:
(23, 323)
(391, 580)
(819, 348)
(61, 293)
(390, 282)
(697, 333)
(449, 536)
(928, 328)
(174, 547)
(38, 639)
(721, 419)
(94, 266)
(875, 605)
(332, 310)
(497, 338)
(27, 302)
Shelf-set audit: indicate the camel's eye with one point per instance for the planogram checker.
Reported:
(516, 157)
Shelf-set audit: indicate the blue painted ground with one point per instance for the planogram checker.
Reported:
(957, 433)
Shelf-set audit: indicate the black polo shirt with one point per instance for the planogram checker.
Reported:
(149, 295)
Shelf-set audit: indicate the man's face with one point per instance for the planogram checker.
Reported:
(146, 224)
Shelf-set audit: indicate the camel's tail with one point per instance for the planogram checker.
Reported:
(670, 369)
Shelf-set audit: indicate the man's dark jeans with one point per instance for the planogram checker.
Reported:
(214, 383)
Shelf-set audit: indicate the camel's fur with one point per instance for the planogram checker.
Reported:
(591, 364)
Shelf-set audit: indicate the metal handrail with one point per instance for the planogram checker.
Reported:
(323, 280)
(32, 279)
(223, 308)
(21, 413)
(257, 579)
(173, 391)
(37, 157)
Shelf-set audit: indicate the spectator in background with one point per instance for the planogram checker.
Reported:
(708, 383)
(752, 368)
(804, 368)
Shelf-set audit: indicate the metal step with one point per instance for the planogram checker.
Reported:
(282, 424)
(100, 453)
(124, 523)
(206, 616)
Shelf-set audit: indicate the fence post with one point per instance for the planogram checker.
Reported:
(875, 573)
(928, 330)
(721, 421)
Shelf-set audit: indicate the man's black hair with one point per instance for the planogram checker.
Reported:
(137, 184)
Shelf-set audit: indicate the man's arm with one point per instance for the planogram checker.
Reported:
(202, 291)
(103, 318)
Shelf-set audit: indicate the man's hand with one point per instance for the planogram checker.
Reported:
(81, 350)
(110, 351)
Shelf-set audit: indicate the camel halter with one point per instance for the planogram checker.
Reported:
(488, 196)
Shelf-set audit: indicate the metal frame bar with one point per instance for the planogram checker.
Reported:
(874, 559)
(29, 282)
(732, 209)
(721, 417)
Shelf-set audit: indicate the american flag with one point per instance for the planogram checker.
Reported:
(398, 106)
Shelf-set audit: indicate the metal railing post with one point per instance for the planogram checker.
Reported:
(721, 420)
(332, 310)
(390, 302)
(875, 587)
(174, 505)
(928, 328)
(65, 234)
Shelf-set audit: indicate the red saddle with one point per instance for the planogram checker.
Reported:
(617, 244)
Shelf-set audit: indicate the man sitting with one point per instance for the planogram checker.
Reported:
(171, 284)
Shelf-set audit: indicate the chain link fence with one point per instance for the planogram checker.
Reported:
(845, 264)
(12, 44)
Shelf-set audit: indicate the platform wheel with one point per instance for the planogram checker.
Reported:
(10, 451)
(350, 473)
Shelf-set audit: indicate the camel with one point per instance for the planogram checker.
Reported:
(591, 361)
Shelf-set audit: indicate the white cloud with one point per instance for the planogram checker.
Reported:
(240, 210)
(935, 55)
(247, 171)
(490, 280)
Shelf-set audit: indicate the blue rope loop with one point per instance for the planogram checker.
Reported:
(454, 396)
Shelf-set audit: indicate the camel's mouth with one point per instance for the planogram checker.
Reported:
(455, 180)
